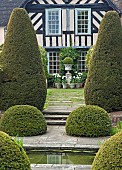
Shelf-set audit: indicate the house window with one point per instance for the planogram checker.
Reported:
(53, 21)
(53, 62)
(83, 21)
(82, 62)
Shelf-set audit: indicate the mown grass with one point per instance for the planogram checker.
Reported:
(64, 97)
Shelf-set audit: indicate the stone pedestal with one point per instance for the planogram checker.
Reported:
(68, 77)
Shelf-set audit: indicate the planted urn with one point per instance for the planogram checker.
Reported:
(68, 62)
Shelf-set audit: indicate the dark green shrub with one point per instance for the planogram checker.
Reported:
(89, 56)
(109, 156)
(51, 80)
(12, 155)
(23, 120)
(43, 55)
(24, 81)
(103, 86)
(117, 128)
(89, 121)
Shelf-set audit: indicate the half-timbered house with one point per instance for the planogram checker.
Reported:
(58, 21)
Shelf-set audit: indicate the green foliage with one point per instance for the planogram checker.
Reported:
(103, 86)
(23, 81)
(68, 60)
(19, 141)
(89, 55)
(43, 55)
(89, 121)
(109, 156)
(51, 80)
(27, 121)
(69, 52)
(117, 129)
(12, 155)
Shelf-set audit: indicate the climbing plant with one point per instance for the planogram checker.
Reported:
(69, 52)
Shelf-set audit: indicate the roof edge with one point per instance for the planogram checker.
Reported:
(112, 5)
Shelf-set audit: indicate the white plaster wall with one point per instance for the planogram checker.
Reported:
(1, 35)
(39, 39)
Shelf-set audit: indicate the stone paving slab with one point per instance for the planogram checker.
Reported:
(59, 167)
(56, 137)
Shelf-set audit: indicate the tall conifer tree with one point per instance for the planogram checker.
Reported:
(104, 82)
(23, 80)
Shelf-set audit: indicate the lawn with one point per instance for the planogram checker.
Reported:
(64, 97)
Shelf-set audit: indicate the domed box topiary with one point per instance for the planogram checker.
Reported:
(68, 60)
(12, 155)
(23, 120)
(109, 156)
(89, 121)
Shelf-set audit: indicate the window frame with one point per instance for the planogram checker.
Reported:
(81, 60)
(48, 55)
(47, 24)
(89, 20)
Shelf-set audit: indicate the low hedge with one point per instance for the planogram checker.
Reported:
(12, 155)
(109, 156)
(23, 120)
(89, 121)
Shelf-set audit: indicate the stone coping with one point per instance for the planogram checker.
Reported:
(60, 146)
(59, 167)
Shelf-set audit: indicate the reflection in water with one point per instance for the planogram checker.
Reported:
(37, 157)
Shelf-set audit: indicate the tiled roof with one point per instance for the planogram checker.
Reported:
(6, 7)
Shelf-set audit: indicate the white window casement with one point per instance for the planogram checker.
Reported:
(81, 64)
(83, 21)
(53, 21)
(53, 62)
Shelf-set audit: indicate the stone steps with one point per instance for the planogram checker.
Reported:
(56, 117)
(56, 122)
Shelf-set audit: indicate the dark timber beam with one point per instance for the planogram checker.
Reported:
(41, 7)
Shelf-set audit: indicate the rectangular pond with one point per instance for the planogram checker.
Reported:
(61, 157)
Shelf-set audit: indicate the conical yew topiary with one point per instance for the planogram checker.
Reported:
(23, 79)
(104, 82)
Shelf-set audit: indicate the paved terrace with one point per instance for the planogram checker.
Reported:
(56, 138)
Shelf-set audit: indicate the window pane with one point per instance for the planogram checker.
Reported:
(82, 21)
(81, 64)
(53, 22)
(54, 62)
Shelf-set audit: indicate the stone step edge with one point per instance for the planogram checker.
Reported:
(56, 117)
(55, 122)
(59, 166)
(60, 146)
(56, 112)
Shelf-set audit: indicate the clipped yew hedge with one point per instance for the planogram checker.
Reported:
(23, 81)
(12, 155)
(109, 156)
(89, 121)
(103, 86)
(23, 120)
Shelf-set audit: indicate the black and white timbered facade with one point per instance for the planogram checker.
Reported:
(58, 21)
